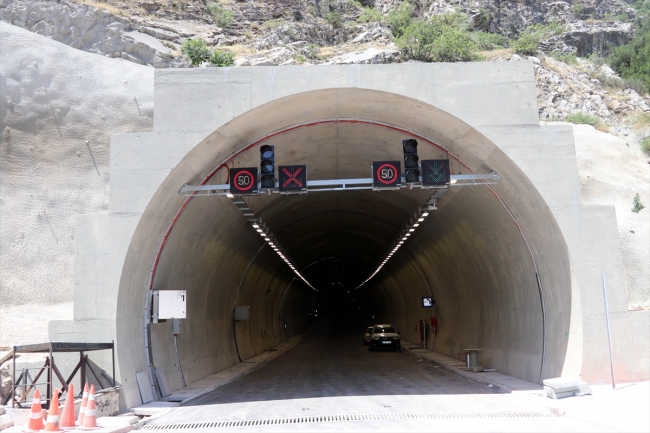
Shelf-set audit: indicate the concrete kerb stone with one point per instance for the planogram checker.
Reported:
(248, 366)
(451, 365)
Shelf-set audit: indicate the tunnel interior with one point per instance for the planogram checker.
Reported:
(493, 259)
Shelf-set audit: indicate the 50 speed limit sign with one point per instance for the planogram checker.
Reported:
(243, 180)
(386, 174)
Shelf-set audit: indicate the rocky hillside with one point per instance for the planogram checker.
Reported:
(280, 32)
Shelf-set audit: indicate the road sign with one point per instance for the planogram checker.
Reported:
(435, 172)
(292, 178)
(243, 180)
(386, 174)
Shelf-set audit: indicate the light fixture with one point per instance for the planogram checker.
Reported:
(229, 195)
(416, 225)
(453, 181)
(411, 230)
(420, 220)
(425, 214)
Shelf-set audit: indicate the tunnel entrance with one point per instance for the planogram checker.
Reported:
(486, 254)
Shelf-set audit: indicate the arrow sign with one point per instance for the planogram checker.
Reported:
(435, 172)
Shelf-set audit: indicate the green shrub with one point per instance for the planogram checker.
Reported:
(637, 206)
(583, 119)
(527, 44)
(632, 61)
(222, 16)
(334, 19)
(311, 51)
(528, 41)
(222, 58)
(196, 50)
(400, 18)
(569, 59)
(370, 15)
(443, 38)
(578, 8)
(488, 41)
(645, 145)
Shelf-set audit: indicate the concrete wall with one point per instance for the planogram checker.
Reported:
(203, 116)
(57, 111)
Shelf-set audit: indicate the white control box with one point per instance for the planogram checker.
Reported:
(169, 304)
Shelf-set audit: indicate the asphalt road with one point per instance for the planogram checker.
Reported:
(331, 374)
(331, 361)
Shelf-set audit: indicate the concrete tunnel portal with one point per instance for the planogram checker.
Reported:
(479, 255)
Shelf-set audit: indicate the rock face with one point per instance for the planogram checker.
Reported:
(597, 37)
(564, 89)
(90, 29)
(57, 111)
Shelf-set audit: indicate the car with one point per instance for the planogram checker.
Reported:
(366, 338)
(385, 337)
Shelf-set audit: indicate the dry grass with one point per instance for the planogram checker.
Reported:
(603, 127)
(112, 9)
(493, 54)
(326, 52)
(640, 121)
(241, 50)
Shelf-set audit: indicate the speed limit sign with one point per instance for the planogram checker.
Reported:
(386, 174)
(243, 180)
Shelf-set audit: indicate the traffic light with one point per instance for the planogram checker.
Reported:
(411, 171)
(267, 166)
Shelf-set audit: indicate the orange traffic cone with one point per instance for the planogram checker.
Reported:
(35, 421)
(90, 417)
(52, 421)
(67, 417)
(84, 402)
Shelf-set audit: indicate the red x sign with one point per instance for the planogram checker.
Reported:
(293, 178)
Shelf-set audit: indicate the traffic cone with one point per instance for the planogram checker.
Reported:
(52, 421)
(90, 417)
(35, 421)
(84, 402)
(67, 417)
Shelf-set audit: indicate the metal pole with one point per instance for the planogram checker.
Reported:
(113, 354)
(13, 390)
(609, 332)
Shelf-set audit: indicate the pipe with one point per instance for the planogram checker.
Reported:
(178, 360)
(609, 332)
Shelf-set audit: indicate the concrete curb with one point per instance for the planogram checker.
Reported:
(238, 370)
(519, 386)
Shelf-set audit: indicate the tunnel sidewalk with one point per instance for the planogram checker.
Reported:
(501, 381)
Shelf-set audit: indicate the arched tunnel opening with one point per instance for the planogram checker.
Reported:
(491, 257)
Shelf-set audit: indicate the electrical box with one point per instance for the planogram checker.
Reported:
(243, 313)
(177, 326)
(169, 304)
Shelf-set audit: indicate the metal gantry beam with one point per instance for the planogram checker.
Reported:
(344, 185)
(341, 185)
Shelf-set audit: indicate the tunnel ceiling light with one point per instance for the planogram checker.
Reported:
(416, 225)
(229, 195)
(420, 220)
(425, 214)
(411, 230)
